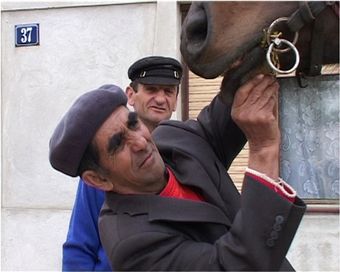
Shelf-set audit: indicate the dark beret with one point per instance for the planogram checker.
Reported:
(156, 70)
(79, 125)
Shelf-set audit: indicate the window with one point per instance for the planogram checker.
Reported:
(310, 132)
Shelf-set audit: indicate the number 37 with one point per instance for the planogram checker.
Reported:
(26, 34)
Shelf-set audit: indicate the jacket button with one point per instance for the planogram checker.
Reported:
(277, 227)
(279, 219)
(270, 242)
(274, 235)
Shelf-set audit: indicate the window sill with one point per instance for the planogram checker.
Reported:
(322, 206)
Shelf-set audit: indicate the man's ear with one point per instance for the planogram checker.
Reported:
(174, 109)
(129, 91)
(94, 179)
(175, 106)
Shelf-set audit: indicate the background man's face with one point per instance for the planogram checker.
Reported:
(153, 103)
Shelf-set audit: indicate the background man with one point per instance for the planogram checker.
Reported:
(174, 207)
(153, 94)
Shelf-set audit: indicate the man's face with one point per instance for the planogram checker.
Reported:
(153, 103)
(128, 155)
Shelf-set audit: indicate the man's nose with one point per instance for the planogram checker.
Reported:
(160, 96)
(138, 142)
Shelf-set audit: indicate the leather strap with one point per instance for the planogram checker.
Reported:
(317, 45)
(306, 14)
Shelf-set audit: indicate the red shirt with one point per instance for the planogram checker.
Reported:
(177, 190)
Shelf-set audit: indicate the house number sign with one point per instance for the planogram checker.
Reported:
(26, 35)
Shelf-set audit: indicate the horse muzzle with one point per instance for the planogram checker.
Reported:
(196, 45)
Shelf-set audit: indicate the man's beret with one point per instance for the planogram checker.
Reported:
(77, 128)
(156, 70)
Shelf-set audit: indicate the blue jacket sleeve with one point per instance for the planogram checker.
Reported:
(82, 250)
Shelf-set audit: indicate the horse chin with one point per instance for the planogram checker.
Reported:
(219, 65)
(241, 70)
(211, 69)
(246, 65)
(235, 66)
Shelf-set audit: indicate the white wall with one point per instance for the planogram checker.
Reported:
(316, 244)
(82, 47)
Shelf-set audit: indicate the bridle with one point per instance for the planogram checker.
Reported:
(307, 13)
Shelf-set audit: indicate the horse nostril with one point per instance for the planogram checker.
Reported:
(196, 29)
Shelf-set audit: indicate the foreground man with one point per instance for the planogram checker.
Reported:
(153, 94)
(170, 204)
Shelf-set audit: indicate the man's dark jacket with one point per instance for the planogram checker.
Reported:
(251, 231)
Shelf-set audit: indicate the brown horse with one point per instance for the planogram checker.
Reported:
(226, 38)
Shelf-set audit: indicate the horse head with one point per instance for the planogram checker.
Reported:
(226, 38)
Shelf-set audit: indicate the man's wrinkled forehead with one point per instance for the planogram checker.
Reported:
(113, 123)
(119, 120)
(159, 86)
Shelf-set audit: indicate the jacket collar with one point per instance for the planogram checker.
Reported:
(164, 208)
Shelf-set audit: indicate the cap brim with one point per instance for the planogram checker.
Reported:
(159, 81)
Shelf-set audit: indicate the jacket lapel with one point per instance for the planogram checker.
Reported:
(199, 178)
(185, 210)
(165, 208)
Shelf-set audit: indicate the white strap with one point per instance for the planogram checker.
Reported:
(283, 186)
